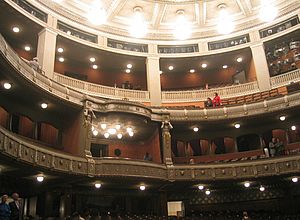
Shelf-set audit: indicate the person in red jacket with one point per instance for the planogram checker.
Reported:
(217, 100)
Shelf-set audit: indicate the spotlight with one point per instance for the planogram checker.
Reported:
(295, 179)
(207, 192)
(247, 184)
(44, 105)
(196, 129)
(40, 178)
(282, 118)
(262, 188)
(142, 187)
(97, 185)
(237, 125)
(16, 29)
(293, 128)
(201, 187)
(7, 85)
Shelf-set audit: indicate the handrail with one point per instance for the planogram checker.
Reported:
(102, 91)
(285, 79)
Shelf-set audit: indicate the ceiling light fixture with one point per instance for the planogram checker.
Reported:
(247, 184)
(27, 48)
(138, 28)
(131, 133)
(60, 50)
(237, 125)
(182, 28)
(103, 126)
(295, 179)
(171, 67)
(262, 188)
(207, 192)
(92, 59)
(97, 185)
(200, 187)
(293, 128)
(40, 178)
(267, 12)
(106, 135)
(142, 187)
(96, 13)
(196, 129)
(119, 136)
(6, 85)
(129, 129)
(160, 72)
(16, 29)
(239, 59)
(95, 132)
(192, 70)
(95, 66)
(225, 66)
(44, 105)
(118, 127)
(204, 65)
(69, 32)
(129, 65)
(127, 70)
(225, 23)
(61, 59)
(112, 131)
(282, 118)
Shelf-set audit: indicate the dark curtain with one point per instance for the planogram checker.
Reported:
(267, 137)
(174, 147)
(219, 142)
(196, 146)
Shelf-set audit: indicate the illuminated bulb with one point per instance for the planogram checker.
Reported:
(61, 59)
(294, 179)
(118, 127)
(106, 135)
(27, 48)
(40, 178)
(95, 67)
(112, 131)
(131, 133)
(200, 187)
(16, 29)
(92, 59)
(246, 184)
(207, 192)
(44, 105)
(196, 129)
(261, 188)
(97, 185)
(225, 66)
(192, 70)
(95, 132)
(7, 85)
(93, 128)
(240, 59)
(237, 125)
(103, 126)
(204, 65)
(282, 118)
(293, 128)
(171, 67)
(119, 136)
(127, 70)
(129, 65)
(142, 187)
(129, 129)
(60, 50)
(160, 72)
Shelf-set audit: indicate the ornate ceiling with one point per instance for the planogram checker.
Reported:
(160, 15)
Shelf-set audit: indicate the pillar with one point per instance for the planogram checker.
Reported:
(153, 80)
(46, 51)
(261, 67)
(166, 142)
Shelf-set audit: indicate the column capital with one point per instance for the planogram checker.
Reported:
(47, 30)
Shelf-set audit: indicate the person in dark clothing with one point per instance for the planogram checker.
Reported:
(4, 208)
(15, 207)
(208, 103)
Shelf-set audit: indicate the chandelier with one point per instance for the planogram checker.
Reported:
(182, 28)
(225, 23)
(112, 130)
(138, 27)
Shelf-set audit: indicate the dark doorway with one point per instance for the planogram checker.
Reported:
(99, 150)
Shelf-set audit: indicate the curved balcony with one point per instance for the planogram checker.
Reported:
(24, 151)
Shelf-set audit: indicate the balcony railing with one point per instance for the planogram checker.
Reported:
(102, 91)
(285, 79)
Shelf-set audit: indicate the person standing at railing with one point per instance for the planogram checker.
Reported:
(217, 100)
(34, 63)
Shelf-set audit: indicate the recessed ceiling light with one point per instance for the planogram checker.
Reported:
(239, 59)
(192, 70)
(61, 59)
(95, 66)
(103, 126)
(7, 85)
(27, 48)
(97, 185)
(16, 29)
(60, 50)
(171, 67)
(225, 66)
(40, 178)
(207, 192)
(262, 188)
(293, 128)
(201, 187)
(282, 118)
(95, 132)
(44, 105)
(294, 179)
(237, 125)
(92, 59)
(204, 65)
(160, 72)
(247, 184)
(119, 136)
(106, 135)
(142, 187)
(127, 70)
(196, 129)
(129, 65)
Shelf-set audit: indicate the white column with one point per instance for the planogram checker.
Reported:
(46, 51)
(261, 67)
(153, 80)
